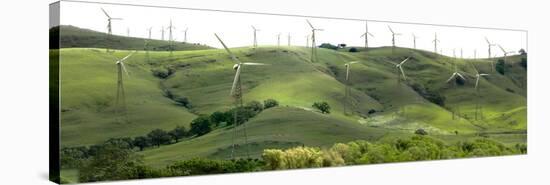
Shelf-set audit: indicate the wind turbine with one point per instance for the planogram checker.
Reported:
(307, 41)
(399, 68)
(455, 75)
(366, 34)
(435, 41)
(454, 53)
(288, 39)
(313, 46)
(236, 93)
(128, 32)
(170, 36)
(348, 88)
(505, 52)
(255, 43)
(414, 40)
(489, 44)
(393, 34)
(120, 103)
(478, 108)
(461, 56)
(475, 53)
(185, 35)
(109, 25)
(278, 40)
(162, 33)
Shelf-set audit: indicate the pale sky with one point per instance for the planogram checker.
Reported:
(235, 29)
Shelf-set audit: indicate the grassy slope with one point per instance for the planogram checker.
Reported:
(205, 76)
(74, 37)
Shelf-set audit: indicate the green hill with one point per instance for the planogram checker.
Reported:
(382, 107)
(74, 37)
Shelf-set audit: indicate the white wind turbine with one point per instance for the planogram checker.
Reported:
(393, 34)
(307, 41)
(313, 45)
(414, 40)
(366, 34)
(255, 42)
(288, 39)
(478, 109)
(185, 35)
(109, 25)
(505, 52)
(399, 68)
(435, 41)
(236, 93)
(348, 88)
(120, 103)
(454, 76)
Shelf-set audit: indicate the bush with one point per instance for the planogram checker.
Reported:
(200, 125)
(328, 46)
(500, 66)
(270, 103)
(183, 101)
(255, 106)
(324, 107)
(353, 50)
(142, 142)
(112, 162)
(162, 72)
(523, 63)
(159, 137)
(178, 133)
(299, 157)
(420, 132)
(199, 166)
(220, 117)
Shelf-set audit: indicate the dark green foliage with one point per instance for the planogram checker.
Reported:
(219, 117)
(159, 137)
(178, 133)
(142, 142)
(342, 45)
(429, 94)
(328, 46)
(522, 52)
(111, 162)
(200, 125)
(270, 103)
(353, 50)
(183, 101)
(72, 157)
(500, 66)
(255, 106)
(523, 63)
(522, 148)
(163, 73)
(459, 81)
(324, 107)
(199, 166)
(126, 142)
(420, 132)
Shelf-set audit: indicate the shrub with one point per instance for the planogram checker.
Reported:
(159, 137)
(183, 101)
(353, 50)
(420, 132)
(200, 125)
(112, 162)
(219, 117)
(270, 103)
(255, 106)
(500, 67)
(178, 133)
(324, 107)
(299, 157)
(328, 46)
(142, 142)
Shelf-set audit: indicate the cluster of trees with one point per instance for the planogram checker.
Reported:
(416, 148)
(324, 107)
(205, 123)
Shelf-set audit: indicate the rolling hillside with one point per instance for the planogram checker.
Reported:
(74, 37)
(381, 106)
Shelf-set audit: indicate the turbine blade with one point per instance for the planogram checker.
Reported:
(487, 41)
(127, 56)
(483, 74)
(364, 34)
(370, 34)
(391, 29)
(402, 62)
(477, 82)
(310, 25)
(403, 73)
(105, 12)
(461, 76)
(254, 64)
(452, 76)
(124, 69)
(227, 49)
(353, 62)
(501, 48)
(235, 80)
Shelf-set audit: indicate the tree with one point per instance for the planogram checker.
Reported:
(420, 131)
(328, 46)
(353, 50)
(159, 137)
(270, 103)
(112, 162)
(200, 125)
(219, 117)
(324, 107)
(499, 67)
(522, 52)
(142, 142)
(178, 133)
(342, 45)
(255, 106)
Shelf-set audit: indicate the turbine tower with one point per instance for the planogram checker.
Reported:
(489, 44)
(307, 41)
(414, 40)
(393, 34)
(236, 93)
(348, 88)
(435, 41)
(288, 39)
(478, 109)
(120, 103)
(185, 35)
(313, 46)
(128, 32)
(255, 43)
(366, 34)
(455, 75)
(170, 36)
(279, 40)
(162, 33)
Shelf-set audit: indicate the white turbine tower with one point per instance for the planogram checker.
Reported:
(109, 25)
(414, 40)
(236, 93)
(288, 39)
(255, 42)
(435, 41)
(348, 88)
(185, 35)
(313, 45)
(454, 76)
(366, 34)
(478, 109)
(399, 68)
(120, 103)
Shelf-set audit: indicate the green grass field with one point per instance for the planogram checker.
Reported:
(88, 90)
